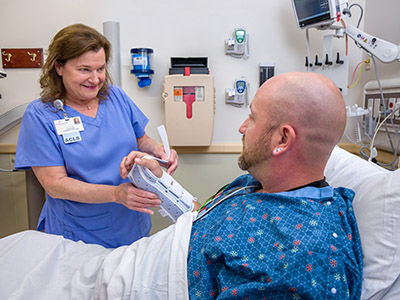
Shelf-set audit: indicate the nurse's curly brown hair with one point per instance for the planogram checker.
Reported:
(69, 43)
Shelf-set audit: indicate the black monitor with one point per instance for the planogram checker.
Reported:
(314, 13)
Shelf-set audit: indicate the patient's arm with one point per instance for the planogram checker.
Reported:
(197, 205)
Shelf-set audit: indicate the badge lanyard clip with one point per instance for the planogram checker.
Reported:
(60, 106)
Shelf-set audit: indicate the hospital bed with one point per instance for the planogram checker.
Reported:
(35, 265)
(377, 210)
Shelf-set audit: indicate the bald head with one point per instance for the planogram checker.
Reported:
(311, 103)
(296, 119)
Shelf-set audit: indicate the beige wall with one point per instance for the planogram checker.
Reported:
(383, 22)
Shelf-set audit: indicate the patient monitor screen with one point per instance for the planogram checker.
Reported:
(310, 12)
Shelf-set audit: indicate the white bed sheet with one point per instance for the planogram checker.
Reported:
(51, 267)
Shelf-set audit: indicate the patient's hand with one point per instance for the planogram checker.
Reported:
(136, 157)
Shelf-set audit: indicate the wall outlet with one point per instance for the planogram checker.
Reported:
(367, 65)
(397, 106)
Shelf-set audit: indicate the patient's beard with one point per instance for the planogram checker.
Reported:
(256, 154)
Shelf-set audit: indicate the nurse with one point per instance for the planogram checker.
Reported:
(75, 146)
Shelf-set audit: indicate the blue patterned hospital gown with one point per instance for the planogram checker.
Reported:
(302, 244)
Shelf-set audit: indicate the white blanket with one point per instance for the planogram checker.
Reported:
(34, 265)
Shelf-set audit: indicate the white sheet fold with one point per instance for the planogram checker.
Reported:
(41, 266)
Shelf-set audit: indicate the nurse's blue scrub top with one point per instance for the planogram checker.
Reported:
(106, 139)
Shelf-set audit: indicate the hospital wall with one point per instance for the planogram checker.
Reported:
(383, 21)
(180, 28)
(172, 28)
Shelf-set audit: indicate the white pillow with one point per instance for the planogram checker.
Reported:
(377, 210)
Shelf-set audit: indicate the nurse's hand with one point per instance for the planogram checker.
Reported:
(172, 164)
(132, 197)
(136, 199)
(148, 145)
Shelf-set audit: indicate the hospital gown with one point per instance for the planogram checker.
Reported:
(302, 244)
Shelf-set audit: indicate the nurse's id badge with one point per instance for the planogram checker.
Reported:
(69, 129)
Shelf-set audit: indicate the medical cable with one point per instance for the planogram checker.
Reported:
(231, 194)
(394, 149)
(376, 131)
(361, 12)
(372, 146)
(351, 85)
(219, 192)
(212, 199)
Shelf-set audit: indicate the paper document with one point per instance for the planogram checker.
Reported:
(164, 138)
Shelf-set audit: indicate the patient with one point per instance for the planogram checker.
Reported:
(279, 232)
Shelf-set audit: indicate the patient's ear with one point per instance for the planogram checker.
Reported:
(283, 138)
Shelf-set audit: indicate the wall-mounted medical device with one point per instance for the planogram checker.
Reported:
(237, 96)
(322, 14)
(189, 101)
(373, 102)
(383, 50)
(354, 127)
(319, 13)
(267, 70)
(334, 66)
(239, 44)
(141, 58)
